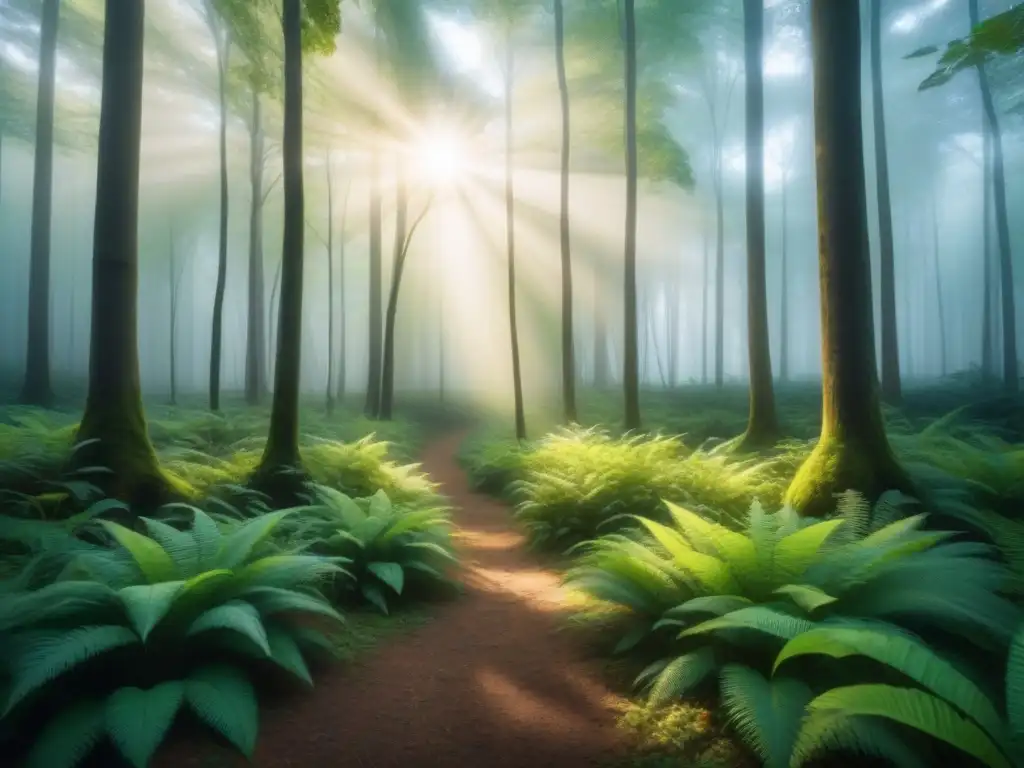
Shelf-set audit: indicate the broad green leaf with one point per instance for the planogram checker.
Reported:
(69, 737)
(236, 616)
(154, 563)
(138, 719)
(147, 604)
(224, 699)
(390, 573)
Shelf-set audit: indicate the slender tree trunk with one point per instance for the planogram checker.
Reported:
(391, 315)
(510, 239)
(601, 368)
(762, 424)
(704, 314)
(987, 342)
(256, 344)
(630, 374)
(114, 421)
(1011, 376)
(223, 47)
(568, 350)
(172, 340)
(784, 309)
(853, 451)
(673, 302)
(719, 277)
(329, 397)
(282, 449)
(374, 324)
(939, 303)
(891, 385)
(37, 389)
(343, 330)
(274, 313)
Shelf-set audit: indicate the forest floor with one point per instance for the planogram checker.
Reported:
(492, 680)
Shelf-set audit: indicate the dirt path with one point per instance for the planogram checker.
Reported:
(490, 682)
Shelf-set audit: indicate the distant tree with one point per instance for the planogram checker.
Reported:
(37, 389)
(630, 372)
(114, 424)
(762, 423)
(220, 31)
(510, 237)
(853, 451)
(315, 30)
(891, 387)
(342, 304)
(329, 172)
(175, 272)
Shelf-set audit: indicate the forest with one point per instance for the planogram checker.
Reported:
(511, 383)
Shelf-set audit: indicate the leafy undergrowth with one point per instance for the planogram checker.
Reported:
(112, 636)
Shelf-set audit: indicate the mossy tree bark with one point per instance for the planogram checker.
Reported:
(853, 451)
(510, 240)
(891, 385)
(568, 350)
(282, 449)
(255, 337)
(630, 370)
(114, 422)
(762, 423)
(37, 389)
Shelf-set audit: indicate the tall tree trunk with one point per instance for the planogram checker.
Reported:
(510, 240)
(784, 309)
(853, 451)
(282, 449)
(274, 312)
(342, 319)
(939, 303)
(602, 375)
(987, 342)
(891, 386)
(705, 290)
(255, 342)
(719, 276)
(329, 397)
(1011, 376)
(673, 303)
(568, 350)
(172, 340)
(223, 46)
(630, 373)
(391, 315)
(37, 389)
(114, 421)
(374, 324)
(762, 423)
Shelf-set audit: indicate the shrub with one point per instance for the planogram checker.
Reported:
(582, 483)
(708, 602)
(391, 549)
(128, 636)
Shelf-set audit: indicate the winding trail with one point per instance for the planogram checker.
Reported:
(489, 682)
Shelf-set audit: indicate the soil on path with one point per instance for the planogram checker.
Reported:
(490, 682)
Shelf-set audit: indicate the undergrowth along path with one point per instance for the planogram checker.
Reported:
(490, 682)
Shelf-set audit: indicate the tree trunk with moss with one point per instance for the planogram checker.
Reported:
(36, 389)
(114, 422)
(282, 449)
(853, 451)
(762, 423)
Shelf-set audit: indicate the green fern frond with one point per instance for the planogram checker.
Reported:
(146, 604)
(224, 699)
(758, 618)
(914, 709)
(69, 737)
(151, 559)
(286, 653)
(682, 674)
(766, 713)
(235, 616)
(829, 732)
(138, 719)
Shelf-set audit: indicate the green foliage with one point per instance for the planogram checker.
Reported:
(129, 635)
(393, 550)
(579, 483)
(703, 601)
(999, 35)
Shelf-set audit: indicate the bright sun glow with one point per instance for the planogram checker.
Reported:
(441, 156)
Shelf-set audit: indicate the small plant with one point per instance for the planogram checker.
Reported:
(391, 549)
(128, 636)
